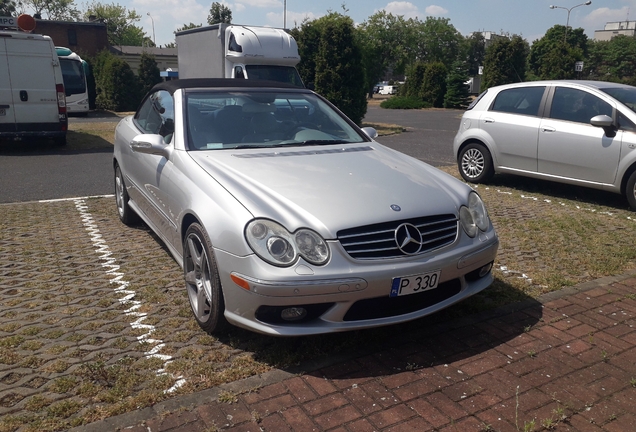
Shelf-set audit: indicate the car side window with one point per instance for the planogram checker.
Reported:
(625, 124)
(577, 105)
(156, 115)
(521, 100)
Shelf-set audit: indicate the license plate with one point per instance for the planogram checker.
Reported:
(406, 285)
(3, 111)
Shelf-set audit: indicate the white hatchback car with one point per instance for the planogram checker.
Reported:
(576, 132)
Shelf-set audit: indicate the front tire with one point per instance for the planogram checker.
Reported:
(202, 280)
(475, 163)
(630, 191)
(126, 214)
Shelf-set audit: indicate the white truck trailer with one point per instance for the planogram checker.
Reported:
(236, 51)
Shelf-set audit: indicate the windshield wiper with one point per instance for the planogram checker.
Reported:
(325, 142)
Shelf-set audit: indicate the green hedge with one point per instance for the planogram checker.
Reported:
(405, 102)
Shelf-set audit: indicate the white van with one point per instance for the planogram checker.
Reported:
(388, 90)
(32, 99)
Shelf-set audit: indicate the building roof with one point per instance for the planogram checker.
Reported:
(137, 50)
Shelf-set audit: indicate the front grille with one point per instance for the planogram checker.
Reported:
(378, 241)
(383, 307)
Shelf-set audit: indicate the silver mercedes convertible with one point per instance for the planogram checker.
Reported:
(287, 218)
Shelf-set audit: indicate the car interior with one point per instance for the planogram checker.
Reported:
(231, 122)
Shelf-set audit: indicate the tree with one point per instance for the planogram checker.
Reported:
(505, 61)
(308, 39)
(436, 40)
(457, 91)
(384, 41)
(119, 23)
(188, 27)
(613, 60)
(554, 57)
(184, 27)
(7, 8)
(58, 10)
(148, 73)
(331, 55)
(219, 14)
(475, 46)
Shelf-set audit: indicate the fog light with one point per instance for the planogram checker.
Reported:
(293, 313)
(485, 269)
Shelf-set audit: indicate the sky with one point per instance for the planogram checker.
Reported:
(528, 18)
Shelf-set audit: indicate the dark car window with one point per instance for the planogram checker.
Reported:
(156, 115)
(521, 100)
(476, 100)
(625, 95)
(577, 105)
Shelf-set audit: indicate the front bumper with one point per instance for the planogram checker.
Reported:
(348, 294)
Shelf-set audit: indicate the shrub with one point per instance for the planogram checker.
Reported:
(434, 85)
(118, 88)
(332, 59)
(412, 86)
(457, 91)
(148, 73)
(404, 102)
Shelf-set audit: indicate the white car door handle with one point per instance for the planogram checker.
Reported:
(489, 120)
(548, 129)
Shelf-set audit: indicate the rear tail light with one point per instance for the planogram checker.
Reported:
(61, 98)
(61, 104)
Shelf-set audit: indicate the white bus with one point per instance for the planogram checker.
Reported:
(74, 71)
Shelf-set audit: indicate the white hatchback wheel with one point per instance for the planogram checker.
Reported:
(475, 163)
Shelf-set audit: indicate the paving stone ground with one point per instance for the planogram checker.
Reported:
(566, 362)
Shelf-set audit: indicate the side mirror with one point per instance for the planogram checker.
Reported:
(606, 123)
(151, 144)
(371, 132)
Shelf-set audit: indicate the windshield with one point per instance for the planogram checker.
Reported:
(625, 95)
(73, 76)
(222, 120)
(286, 74)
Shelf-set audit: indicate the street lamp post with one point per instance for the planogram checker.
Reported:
(567, 24)
(285, 14)
(153, 28)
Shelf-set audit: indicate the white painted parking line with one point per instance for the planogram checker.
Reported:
(109, 262)
(75, 199)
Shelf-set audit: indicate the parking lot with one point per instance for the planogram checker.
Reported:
(94, 321)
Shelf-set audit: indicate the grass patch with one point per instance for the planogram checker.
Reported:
(385, 129)
(554, 236)
(90, 135)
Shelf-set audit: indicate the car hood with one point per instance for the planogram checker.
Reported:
(329, 188)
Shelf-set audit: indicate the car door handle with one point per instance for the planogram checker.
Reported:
(489, 120)
(548, 129)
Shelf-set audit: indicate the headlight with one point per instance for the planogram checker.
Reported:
(311, 246)
(474, 217)
(274, 244)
